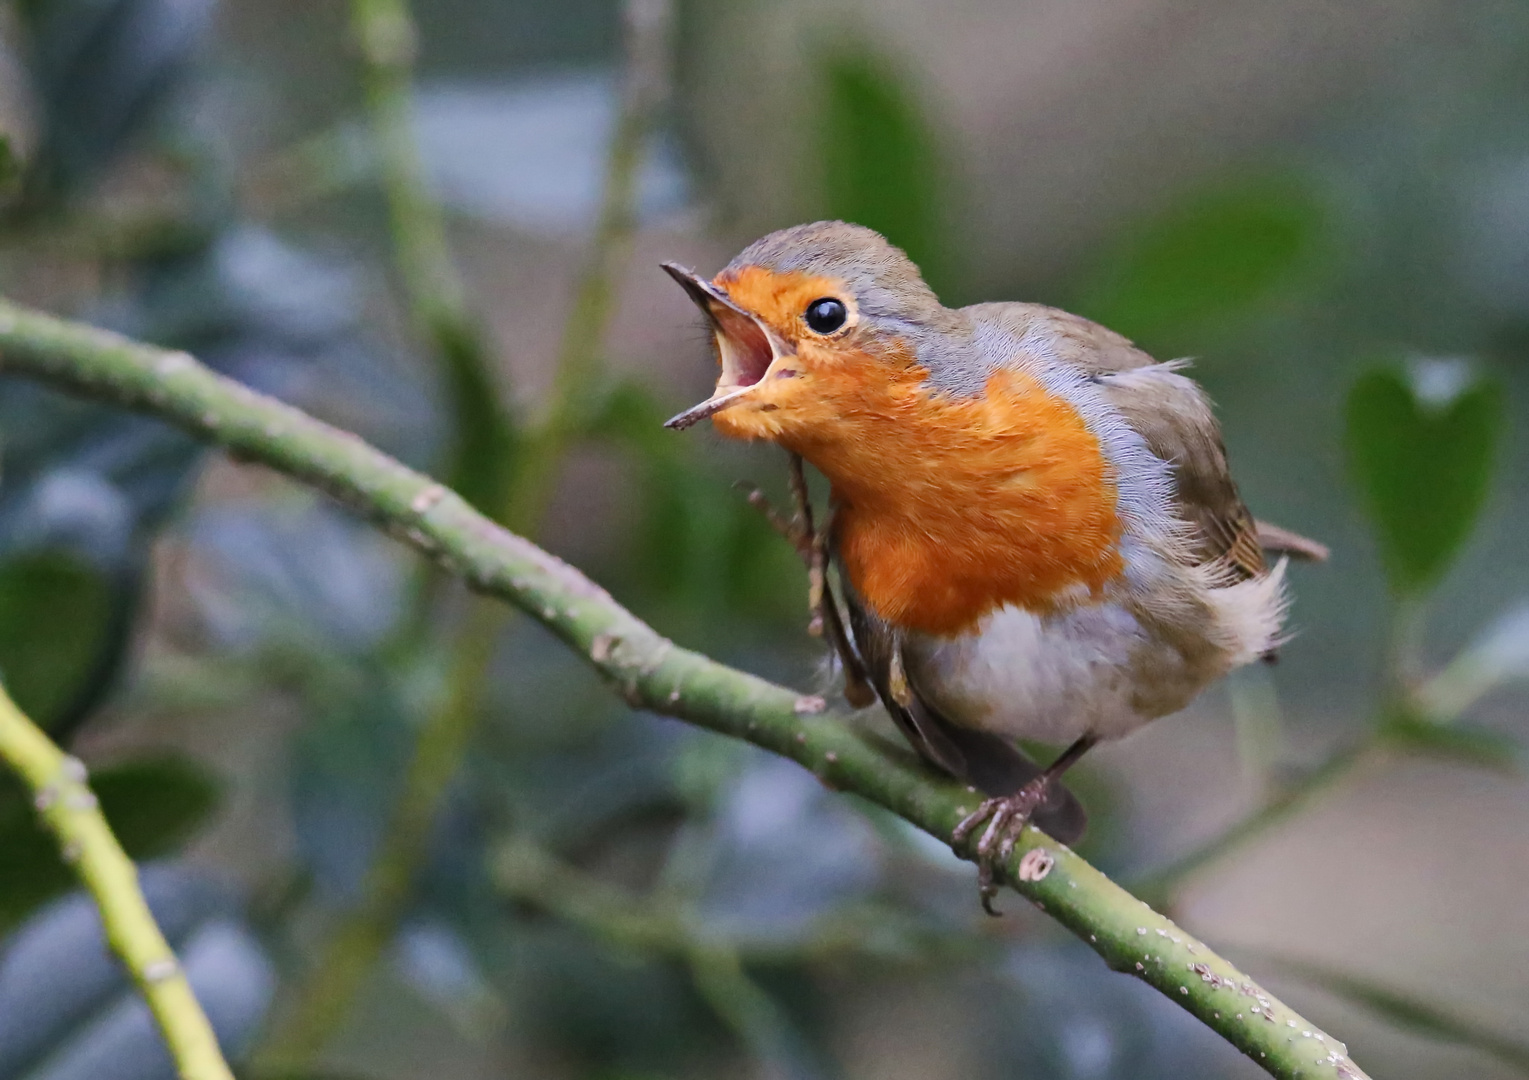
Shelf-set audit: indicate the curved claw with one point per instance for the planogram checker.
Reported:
(969, 823)
(987, 892)
(1006, 819)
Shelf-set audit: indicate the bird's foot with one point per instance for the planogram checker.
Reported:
(1006, 818)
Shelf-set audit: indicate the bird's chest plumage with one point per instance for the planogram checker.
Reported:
(986, 532)
(1095, 669)
(948, 509)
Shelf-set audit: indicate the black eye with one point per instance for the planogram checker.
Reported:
(826, 315)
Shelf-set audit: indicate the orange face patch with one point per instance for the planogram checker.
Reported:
(780, 299)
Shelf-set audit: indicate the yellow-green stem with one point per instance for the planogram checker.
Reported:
(67, 806)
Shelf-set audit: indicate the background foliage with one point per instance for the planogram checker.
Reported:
(255, 677)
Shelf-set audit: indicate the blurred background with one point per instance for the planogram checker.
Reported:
(397, 833)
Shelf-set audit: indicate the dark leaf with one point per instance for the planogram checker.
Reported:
(1422, 451)
(1215, 254)
(55, 615)
(82, 491)
(100, 69)
(481, 468)
(155, 804)
(881, 163)
(10, 169)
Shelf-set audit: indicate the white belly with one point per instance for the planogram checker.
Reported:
(1052, 678)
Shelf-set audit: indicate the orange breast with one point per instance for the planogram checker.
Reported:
(951, 507)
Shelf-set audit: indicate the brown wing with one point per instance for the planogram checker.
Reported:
(988, 762)
(1172, 414)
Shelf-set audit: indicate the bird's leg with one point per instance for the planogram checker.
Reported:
(820, 597)
(1007, 816)
(816, 551)
(857, 688)
(812, 545)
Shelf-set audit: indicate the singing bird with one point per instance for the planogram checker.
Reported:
(1033, 523)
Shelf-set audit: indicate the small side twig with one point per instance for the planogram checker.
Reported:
(1159, 886)
(790, 530)
(814, 545)
(67, 806)
(480, 459)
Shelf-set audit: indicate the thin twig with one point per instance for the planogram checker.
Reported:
(745, 1007)
(526, 872)
(580, 370)
(789, 530)
(653, 673)
(816, 549)
(1159, 886)
(1406, 1012)
(324, 998)
(67, 806)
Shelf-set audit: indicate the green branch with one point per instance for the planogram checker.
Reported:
(653, 673)
(67, 806)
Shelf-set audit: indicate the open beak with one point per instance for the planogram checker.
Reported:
(746, 347)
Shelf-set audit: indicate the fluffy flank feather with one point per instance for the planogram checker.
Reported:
(1251, 614)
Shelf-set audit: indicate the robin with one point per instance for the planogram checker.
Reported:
(1034, 527)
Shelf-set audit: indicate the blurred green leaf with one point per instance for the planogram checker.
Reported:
(1472, 746)
(701, 545)
(483, 455)
(153, 804)
(1214, 254)
(1422, 452)
(627, 412)
(881, 164)
(55, 623)
(1409, 1013)
(101, 70)
(10, 169)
